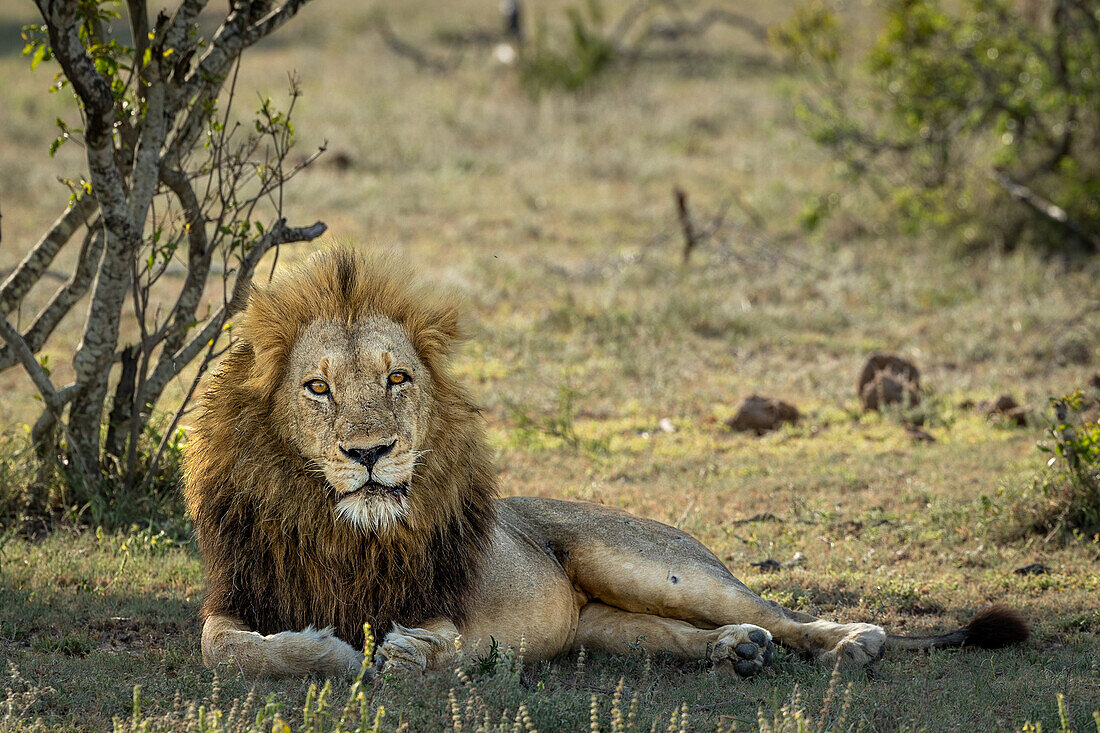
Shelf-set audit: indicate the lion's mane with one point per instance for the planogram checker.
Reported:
(275, 554)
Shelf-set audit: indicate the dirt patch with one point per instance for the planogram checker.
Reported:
(136, 634)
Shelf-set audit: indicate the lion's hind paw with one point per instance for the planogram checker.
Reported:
(746, 648)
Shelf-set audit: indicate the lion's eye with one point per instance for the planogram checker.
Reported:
(399, 378)
(317, 386)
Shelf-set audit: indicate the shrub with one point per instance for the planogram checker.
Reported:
(978, 119)
(38, 490)
(569, 62)
(1065, 497)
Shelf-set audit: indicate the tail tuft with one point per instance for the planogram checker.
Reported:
(996, 627)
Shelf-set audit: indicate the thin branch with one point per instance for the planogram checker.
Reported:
(407, 50)
(1046, 209)
(63, 300)
(34, 370)
(681, 27)
(234, 36)
(629, 17)
(198, 260)
(702, 24)
(30, 270)
(199, 89)
(147, 481)
(170, 365)
(686, 224)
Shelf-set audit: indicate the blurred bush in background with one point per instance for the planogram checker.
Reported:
(981, 117)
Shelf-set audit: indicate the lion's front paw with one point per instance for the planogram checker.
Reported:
(860, 645)
(334, 657)
(407, 650)
(747, 648)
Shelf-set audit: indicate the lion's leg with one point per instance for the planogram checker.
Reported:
(692, 585)
(643, 566)
(431, 646)
(688, 586)
(226, 640)
(746, 648)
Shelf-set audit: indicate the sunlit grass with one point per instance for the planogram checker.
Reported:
(555, 220)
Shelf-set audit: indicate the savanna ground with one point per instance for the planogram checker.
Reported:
(555, 217)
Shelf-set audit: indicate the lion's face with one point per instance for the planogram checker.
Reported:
(359, 402)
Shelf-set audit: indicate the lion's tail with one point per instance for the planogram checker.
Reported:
(992, 628)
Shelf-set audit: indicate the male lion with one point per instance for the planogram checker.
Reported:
(338, 474)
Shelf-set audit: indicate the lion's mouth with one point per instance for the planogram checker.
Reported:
(374, 506)
(373, 488)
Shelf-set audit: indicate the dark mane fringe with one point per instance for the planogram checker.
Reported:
(275, 554)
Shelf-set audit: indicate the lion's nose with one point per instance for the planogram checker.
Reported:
(368, 456)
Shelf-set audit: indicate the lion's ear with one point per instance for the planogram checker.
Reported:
(440, 327)
(269, 331)
(448, 320)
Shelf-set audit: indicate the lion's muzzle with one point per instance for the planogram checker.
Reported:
(367, 457)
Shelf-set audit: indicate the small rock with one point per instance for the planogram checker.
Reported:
(888, 380)
(887, 389)
(1005, 406)
(761, 414)
(666, 425)
(770, 565)
(767, 566)
(504, 54)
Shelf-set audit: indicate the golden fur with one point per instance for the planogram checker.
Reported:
(373, 500)
(275, 555)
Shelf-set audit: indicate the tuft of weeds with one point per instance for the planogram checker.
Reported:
(560, 426)
(21, 698)
(39, 491)
(469, 705)
(1064, 498)
(16, 477)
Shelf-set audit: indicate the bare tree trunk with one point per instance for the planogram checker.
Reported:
(142, 122)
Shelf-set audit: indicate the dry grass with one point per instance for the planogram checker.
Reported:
(549, 215)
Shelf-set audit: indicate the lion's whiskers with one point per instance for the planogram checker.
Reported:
(416, 456)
